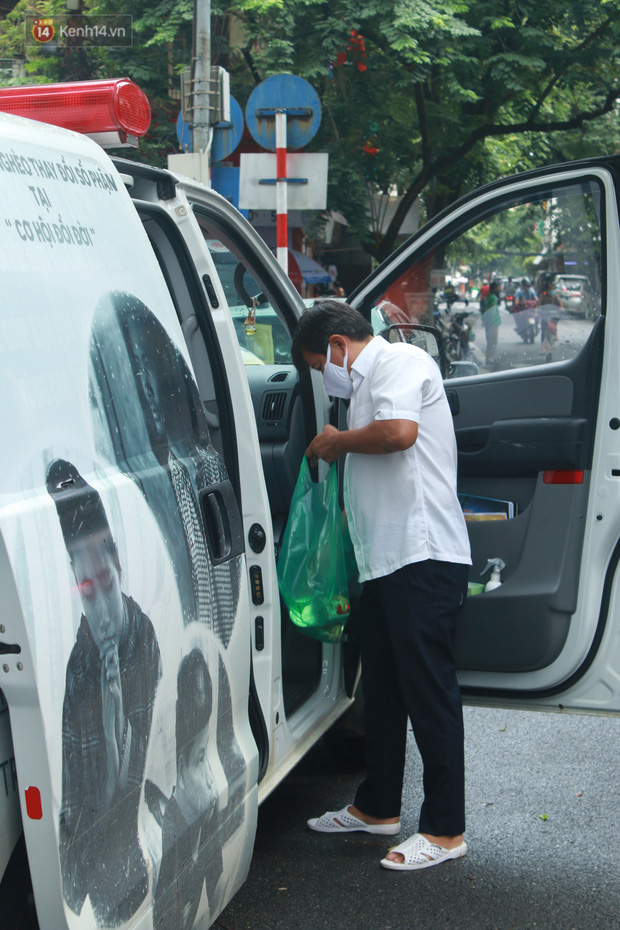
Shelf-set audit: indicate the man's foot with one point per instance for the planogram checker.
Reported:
(351, 820)
(368, 818)
(423, 850)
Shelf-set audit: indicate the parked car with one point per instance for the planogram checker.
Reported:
(575, 292)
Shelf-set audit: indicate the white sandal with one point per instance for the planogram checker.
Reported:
(420, 853)
(345, 822)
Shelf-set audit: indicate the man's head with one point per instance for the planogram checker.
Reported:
(92, 551)
(194, 792)
(329, 323)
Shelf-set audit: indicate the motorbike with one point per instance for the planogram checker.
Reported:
(457, 334)
(527, 323)
(451, 296)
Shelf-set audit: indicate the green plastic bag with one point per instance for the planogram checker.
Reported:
(312, 570)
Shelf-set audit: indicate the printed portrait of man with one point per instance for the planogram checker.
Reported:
(111, 679)
(191, 842)
(150, 419)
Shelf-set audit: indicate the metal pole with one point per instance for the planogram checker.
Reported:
(281, 191)
(201, 75)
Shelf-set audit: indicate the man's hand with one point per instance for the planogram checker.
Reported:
(326, 446)
(380, 437)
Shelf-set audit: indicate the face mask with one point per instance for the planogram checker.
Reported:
(337, 380)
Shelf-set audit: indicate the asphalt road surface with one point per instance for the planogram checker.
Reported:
(512, 352)
(543, 808)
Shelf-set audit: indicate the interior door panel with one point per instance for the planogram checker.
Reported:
(511, 431)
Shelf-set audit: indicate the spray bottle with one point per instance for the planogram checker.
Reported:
(495, 580)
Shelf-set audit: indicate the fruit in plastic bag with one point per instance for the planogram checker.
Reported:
(312, 568)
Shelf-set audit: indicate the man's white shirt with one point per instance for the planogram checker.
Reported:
(402, 507)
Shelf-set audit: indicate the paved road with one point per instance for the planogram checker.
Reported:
(543, 801)
(512, 352)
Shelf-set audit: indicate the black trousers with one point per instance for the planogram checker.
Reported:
(408, 621)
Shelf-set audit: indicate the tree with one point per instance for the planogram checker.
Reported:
(161, 48)
(428, 96)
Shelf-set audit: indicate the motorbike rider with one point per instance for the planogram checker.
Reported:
(509, 293)
(525, 292)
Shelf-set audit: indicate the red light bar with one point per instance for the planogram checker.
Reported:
(563, 477)
(114, 112)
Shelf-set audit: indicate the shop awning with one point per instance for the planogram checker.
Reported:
(302, 268)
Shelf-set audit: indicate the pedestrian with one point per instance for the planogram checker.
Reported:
(489, 314)
(412, 552)
(550, 308)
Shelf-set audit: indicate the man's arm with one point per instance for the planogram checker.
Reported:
(380, 437)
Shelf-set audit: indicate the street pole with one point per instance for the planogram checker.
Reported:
(201, 76)
(281, 192)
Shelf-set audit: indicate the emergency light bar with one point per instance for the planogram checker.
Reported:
(112, 112)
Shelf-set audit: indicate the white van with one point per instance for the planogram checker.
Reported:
(156, 688)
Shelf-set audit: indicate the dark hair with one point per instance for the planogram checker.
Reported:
(323, 320)
(141, 329)
(80, 509)
(194, 701)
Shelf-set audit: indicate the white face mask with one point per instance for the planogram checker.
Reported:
(337, 380)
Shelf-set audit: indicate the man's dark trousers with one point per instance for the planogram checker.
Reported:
(408, 621)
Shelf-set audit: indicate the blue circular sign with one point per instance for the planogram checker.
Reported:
(227, 136)
(288, 92)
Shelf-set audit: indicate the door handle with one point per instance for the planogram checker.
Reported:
(222, 522)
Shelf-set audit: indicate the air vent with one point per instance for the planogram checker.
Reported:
(273, 406)
(279, 376)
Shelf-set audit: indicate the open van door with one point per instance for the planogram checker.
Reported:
(538, 430)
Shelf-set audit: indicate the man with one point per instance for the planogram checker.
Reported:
(157, 419)
(188, 861)
(412, 551)
(525, 292)
(489, 314)
(112, 676)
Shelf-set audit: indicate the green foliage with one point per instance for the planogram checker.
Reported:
(456, 91)
(161, 46)
(425, 98)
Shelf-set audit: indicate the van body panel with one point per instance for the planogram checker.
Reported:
(132, 611)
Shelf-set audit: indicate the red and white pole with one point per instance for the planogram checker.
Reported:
(281, 192)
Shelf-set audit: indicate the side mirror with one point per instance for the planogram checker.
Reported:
(424, 337)
(430, 340)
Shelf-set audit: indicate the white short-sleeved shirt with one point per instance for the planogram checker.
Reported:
(402, 507)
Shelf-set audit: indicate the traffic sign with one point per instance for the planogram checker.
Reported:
(307, 180)
(296, 97)
(227, 136)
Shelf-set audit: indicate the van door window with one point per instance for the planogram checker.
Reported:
(262, 336)
(539, 254)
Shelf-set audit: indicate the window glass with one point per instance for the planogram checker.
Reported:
(263, 337)
(520, 287)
